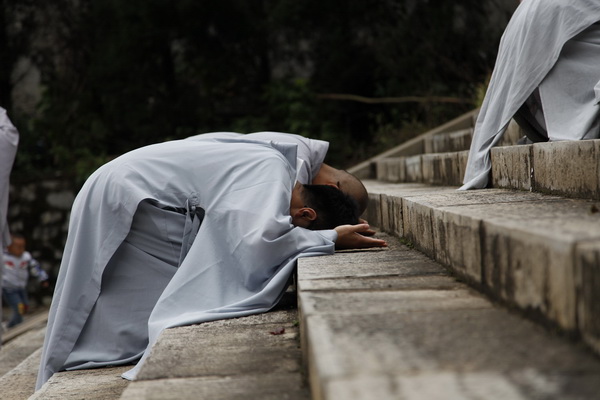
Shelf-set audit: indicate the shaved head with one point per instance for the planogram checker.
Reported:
(353, 187)
(344, 181)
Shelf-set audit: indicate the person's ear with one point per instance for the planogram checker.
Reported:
(307, 214)
(335, 185)
(304, 216)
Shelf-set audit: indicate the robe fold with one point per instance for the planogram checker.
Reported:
(310, 154)
(9, 140)
(238, 263)
(549, 55)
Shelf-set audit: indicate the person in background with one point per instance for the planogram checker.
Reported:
(546, 78)
(185, 232)
(18, 266)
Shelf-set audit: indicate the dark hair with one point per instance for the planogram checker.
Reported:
(333, 207)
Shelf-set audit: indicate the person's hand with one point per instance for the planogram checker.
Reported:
(368, 232)
(352, 237)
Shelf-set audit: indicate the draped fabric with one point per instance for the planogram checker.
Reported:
(548, 57)
(238, 264)
(310, 153)
(9, 140)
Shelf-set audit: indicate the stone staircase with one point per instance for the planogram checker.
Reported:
(487, 294)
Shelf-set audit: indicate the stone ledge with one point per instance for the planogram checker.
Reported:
(527, 249)
(274, 386)
(20, 348)
(445, 142)
(429, 337)
(250, 357)
(19, 382)
(222, 359)
(415, 146)
(89, 384)
(570, 169)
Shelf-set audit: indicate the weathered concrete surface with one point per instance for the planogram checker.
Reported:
(425, 338)
(568, 168)
(222, 348)
(435, 168)
(449, 141)
(89, 384)
(272, 386)
(19, 382)
(528, 249)
(414, 168)
(463, 158)
(441, 169)
(31, 321)
(256, 356)
(391, 169)
(588, 266)
(20, 348)
(391, 214)
(512, 167)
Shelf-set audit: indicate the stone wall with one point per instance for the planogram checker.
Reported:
(40, 211)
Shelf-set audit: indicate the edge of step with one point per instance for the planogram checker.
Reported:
(534, 252)
(541, 167)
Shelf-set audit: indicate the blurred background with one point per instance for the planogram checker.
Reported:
(85, 81)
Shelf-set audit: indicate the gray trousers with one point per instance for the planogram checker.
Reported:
(116, 331)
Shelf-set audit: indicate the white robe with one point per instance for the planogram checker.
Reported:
(9, 140)
(552, 45)
(238, 264)
(311, 152)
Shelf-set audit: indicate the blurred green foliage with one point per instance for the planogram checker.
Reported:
(117, 75)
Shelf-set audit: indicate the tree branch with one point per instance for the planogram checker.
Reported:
(404, 99)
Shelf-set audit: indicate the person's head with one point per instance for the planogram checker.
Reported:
(322, 207)
(17, 245)
(344, 181)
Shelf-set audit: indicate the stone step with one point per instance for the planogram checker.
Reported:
(450, 141)
(19, 382)
(445, 142)
(88, 384)
(434, 169)
(255, 357)
(451, 137)
(536, 252)
(417, 145)
(570, 169)
(393, 324)
(32, 321)
(21, 347)
(19, 362)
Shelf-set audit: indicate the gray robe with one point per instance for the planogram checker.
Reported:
(311, 152)
(9, 140)
(113, 285)
(549, 56)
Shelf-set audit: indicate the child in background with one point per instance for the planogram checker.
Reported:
(18, 266)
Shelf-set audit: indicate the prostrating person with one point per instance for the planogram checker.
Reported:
(185, 232)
